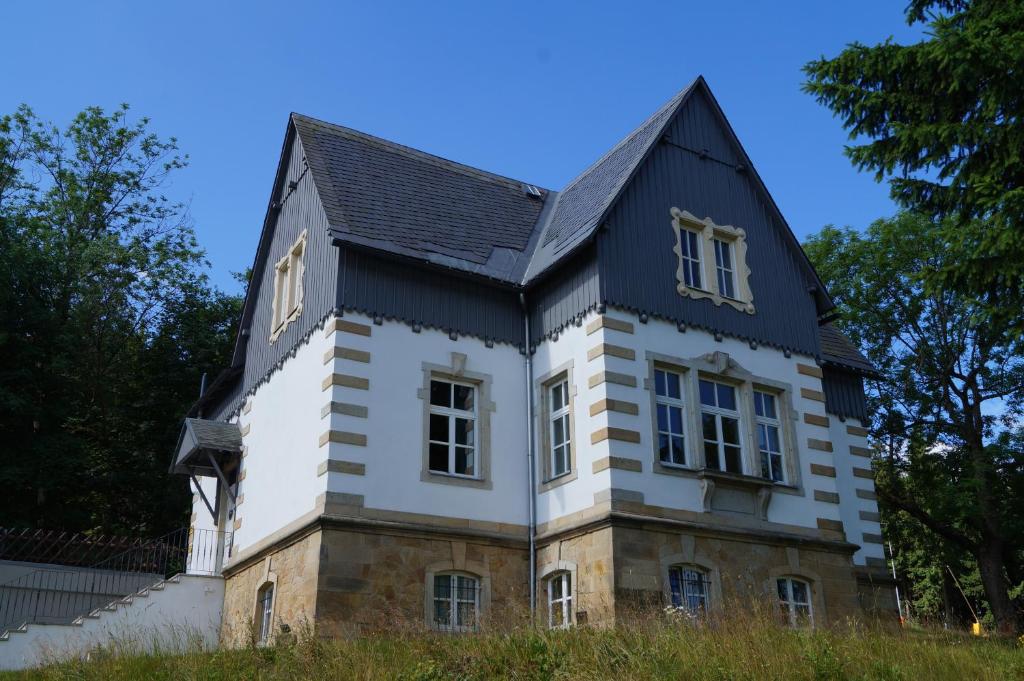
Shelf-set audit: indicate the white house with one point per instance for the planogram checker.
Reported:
(456, 394)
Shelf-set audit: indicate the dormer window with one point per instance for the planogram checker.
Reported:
(287, 304)
(712, 261)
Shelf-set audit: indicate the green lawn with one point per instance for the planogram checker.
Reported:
(666, 650)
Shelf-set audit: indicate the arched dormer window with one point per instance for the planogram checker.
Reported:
(688, 588)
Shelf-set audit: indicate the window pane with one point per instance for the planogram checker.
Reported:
(800, 592)
(777, 467)
(730, 430)
(733, 462)
(441, 393)
(464, 397)
(464, 464)
(663, 448)
(773, 439)
(557, 432)
(662, 418)
(678, 452)
(672, 381)
(443, 586)
(556, 397)
(707, 393)
(709, 426)
(711, 455)
(556, 586)
(561, 460)
(726, 396)
(762, 436)
(438, 428)
(783, 592)
(675, 586)
(695, 279)
(769, 406)
(676, 419)
(439, 458)
(765, 471)
(464, 432)
(659, 383)
(442, 612)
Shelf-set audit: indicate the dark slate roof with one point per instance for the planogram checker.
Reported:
(199, 436)
(384, 195)
(838, 349)
(583, 204)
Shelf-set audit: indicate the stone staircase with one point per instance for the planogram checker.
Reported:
(176, 614)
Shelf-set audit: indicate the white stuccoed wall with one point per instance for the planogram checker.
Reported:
(181, 617)
(394, 425)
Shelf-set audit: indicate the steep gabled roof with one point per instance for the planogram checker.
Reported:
(393, 198)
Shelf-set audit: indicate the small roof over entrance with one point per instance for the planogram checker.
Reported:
(204, 445)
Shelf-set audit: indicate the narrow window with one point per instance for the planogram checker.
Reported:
(689, 588)
(795, 601)
(452, 428)
(280, 293)
(768, 436)
(669, 402)
(724, 269)
(690, 243)
(295, 269)
(560, 600)
(456, 602)
(720, 422)
(264, 612)
(561, 444)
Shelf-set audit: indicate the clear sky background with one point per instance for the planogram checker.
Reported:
(535, 91)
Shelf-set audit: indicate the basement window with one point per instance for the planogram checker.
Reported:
(287, 303)
(264, 613)
(688, 587)
(795, 601)
(560, 600)
(456, 602)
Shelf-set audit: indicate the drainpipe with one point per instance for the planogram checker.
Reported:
(531, 490)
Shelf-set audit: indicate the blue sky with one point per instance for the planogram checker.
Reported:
(535, 91)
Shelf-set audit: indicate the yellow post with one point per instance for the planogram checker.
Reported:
(976, 628)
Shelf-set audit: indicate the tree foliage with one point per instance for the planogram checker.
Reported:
(942, 121)
(947, 402)
(105, 319)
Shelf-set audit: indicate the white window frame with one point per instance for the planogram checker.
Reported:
(689, 258)
(265, 612)
(564, 415)
(670, 403)
(452, 415)
(769, 422)
(454, 601)
(724, 246)
(719, 413)
(790, 605)
(289, 272)
(564, 579)
(705, 582)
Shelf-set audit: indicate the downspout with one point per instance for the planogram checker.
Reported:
(530, 454)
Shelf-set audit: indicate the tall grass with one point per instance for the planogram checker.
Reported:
(747, 646)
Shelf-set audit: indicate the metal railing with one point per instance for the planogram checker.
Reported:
(60, 594)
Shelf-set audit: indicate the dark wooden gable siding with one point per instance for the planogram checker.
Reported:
(300, 209)
(430, 297)
(844, 393)
(637, 265)
(564, 296)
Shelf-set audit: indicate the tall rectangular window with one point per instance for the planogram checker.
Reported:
(560, 600)
(720, 423)
(452, 428)
(690, 246)
(264, 612)
(768, 440)
(561, 440)
(669, 403)
(724, 268)
(795, 601)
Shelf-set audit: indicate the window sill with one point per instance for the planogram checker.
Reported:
(557, 481)
(439, 478)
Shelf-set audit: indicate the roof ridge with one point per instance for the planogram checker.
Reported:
(625, 139)
(412, 152)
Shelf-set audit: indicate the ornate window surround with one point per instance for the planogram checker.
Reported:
(294, 258)
(721, 367)
(708, 231)
(456, 371)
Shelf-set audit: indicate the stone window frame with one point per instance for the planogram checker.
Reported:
(542, 387)
(267, 579)
(456, 371)
(721, 367)
(293, 259)
(465, 568)
(794, 570)
(550, 570)
(708, 231)
(689, 557)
